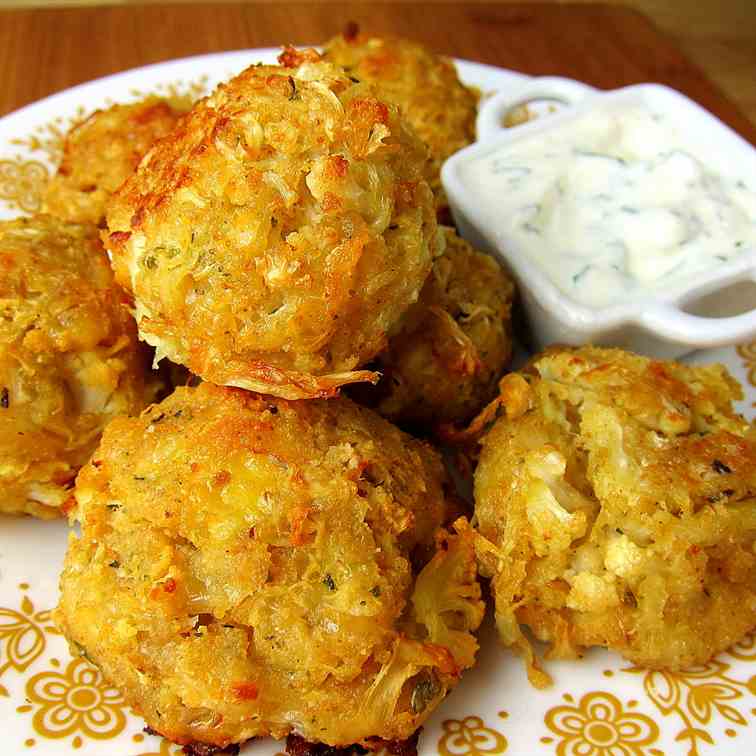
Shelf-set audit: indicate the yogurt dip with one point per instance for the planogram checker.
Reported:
(614, 205)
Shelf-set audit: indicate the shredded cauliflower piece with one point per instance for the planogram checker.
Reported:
(615, 505)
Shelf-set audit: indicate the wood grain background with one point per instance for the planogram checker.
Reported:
(719, 35)
(45, 50)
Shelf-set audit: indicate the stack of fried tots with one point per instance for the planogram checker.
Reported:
(261, 556)
(258, 556)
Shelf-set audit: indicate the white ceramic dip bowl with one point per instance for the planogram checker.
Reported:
(714, 307)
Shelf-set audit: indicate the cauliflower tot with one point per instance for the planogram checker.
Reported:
(291, 551)
(69, 359)
(425, 86)
(100, 153)
(615, 504)
(454, 344)
(277, 236)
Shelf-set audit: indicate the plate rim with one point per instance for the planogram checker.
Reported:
(212, 57)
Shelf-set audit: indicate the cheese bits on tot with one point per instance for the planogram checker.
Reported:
(276, 237)
(423, 85)
(100, 153)
(69, 359)
(616, 505)
(289, 575)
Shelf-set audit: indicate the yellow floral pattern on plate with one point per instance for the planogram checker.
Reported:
(745, 650)
(470, 737)
(22, 183)
(22, 637)
(50, 137)
(76, 701)
(699, 693)
(600, 725)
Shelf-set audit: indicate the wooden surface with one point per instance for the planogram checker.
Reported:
(45, 50)
(719, 35)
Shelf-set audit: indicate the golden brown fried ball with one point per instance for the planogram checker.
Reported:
(69, 359)
(280, 232)
(270, 587)
(425, 86)
(617, 504)
(454, 344)
(101, 153)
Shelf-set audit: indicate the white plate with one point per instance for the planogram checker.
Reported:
(51, 704)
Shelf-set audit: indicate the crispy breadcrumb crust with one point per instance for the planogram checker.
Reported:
(275, 238)
(100, 153)
(453, 346)
(248, 567)
(425, 86)
(616, 506)
(69, 359)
